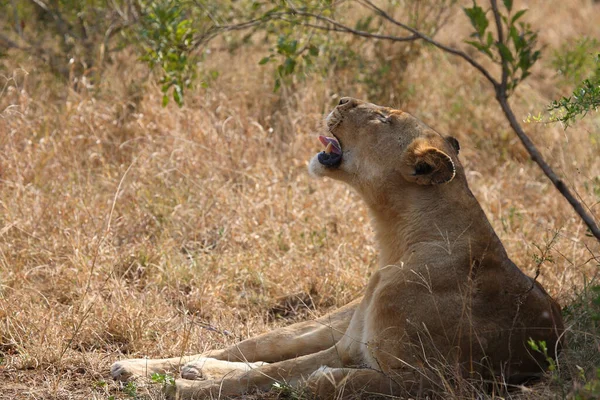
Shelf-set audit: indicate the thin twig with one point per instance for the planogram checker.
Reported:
(355, 32)
(503, 82)
(216, 30)
(429, 40)
(344, 28)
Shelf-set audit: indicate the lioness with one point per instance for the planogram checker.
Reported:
(446, 299)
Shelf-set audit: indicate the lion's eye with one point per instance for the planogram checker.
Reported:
(382, 118)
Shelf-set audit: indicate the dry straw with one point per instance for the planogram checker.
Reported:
(131, 230)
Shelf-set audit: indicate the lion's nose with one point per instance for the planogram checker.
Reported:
(345, 100)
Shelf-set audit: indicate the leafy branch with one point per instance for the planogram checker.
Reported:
(167, 37)
(517, 53)
(585, 98)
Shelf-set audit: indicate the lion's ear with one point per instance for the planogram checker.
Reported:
(454, 142)
(427, 165)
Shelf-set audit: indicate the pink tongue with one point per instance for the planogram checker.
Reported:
(335, 145)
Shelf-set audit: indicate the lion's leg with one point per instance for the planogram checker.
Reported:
(330, 382)
(292, 371)
(204, 367)
(291, 341)
(348, 383)
(281, 344)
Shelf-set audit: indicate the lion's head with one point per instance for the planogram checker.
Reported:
(369, 145)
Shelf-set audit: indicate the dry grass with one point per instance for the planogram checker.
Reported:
(132, 230)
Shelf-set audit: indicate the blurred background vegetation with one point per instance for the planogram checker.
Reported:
(75, 39)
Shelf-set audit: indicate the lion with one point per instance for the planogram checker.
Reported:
(445, 301)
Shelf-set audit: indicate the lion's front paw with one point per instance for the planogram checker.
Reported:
(125, 370)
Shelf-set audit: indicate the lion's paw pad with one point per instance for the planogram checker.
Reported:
(191, 371)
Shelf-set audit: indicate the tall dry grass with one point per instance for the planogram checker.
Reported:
(131, 230)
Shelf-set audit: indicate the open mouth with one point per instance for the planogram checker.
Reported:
(332, 155)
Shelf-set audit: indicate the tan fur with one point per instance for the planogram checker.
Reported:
(445, 300)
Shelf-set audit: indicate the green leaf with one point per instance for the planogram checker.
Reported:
(478, 19)
(517, 40)
(505, 52)
(178, 95)
(287, 48)
(508, 4)
(518, 15)
(165, 100)
(288, 66)
(163, 379)
(264, 60)
(313, 50)
(533, 345)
